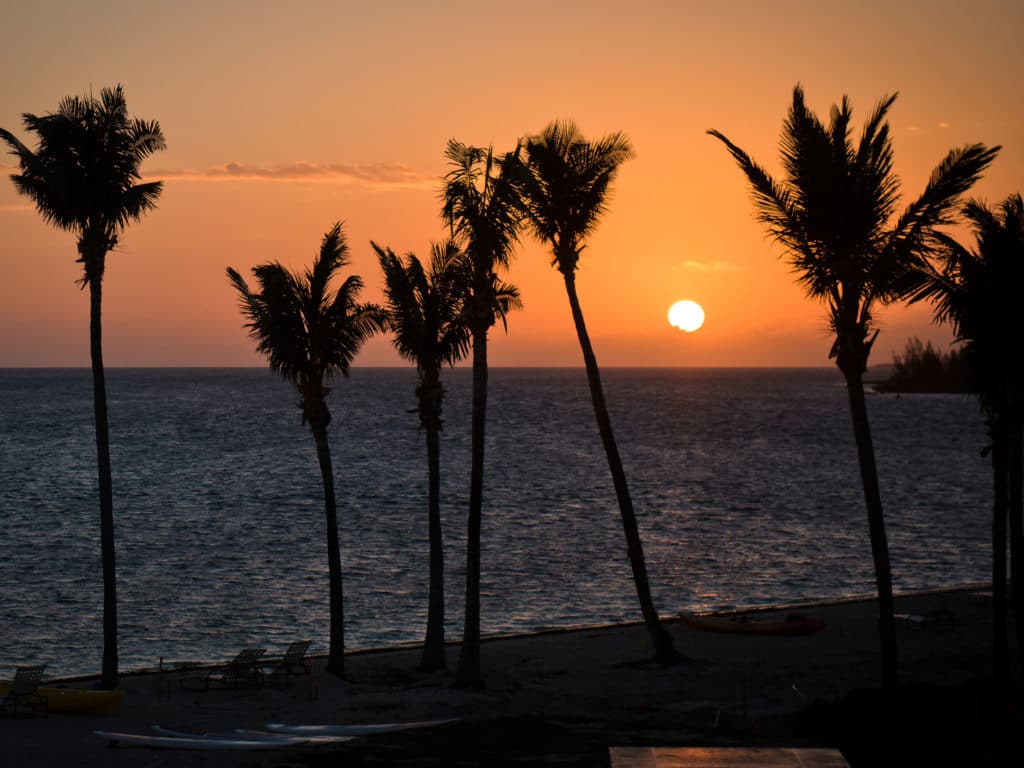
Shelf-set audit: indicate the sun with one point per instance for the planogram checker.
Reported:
(686, 316)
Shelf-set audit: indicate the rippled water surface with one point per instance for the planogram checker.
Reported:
(745, 483)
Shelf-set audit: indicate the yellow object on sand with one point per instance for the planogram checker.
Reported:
(78, 701)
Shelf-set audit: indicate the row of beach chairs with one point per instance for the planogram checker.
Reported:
(248, 670)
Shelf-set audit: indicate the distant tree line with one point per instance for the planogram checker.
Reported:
(923, 368)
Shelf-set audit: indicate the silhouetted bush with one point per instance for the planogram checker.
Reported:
(922, 368)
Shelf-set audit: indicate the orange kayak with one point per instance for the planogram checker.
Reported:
(745, 625)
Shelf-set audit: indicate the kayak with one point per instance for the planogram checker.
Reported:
(192, 742)
(744, 625)
(77, 701)
(354, 729)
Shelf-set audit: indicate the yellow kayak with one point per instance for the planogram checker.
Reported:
(77, 701)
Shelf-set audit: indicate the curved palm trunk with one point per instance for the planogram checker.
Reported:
(876, 528)
(468, 674)
(1000, 491)
(336, 651)
(109, 674)
(433, 644)
(664, 651)
(1016, 515)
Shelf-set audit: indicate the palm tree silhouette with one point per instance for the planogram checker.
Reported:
(976, 291)
(831, 213)
(309, 334)
(425, 312)
(479, 206)
(83, 178)
(564, 187)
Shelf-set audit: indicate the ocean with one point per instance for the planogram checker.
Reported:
(745, 482)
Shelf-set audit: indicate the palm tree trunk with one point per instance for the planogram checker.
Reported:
(336, 651)
(876, 528)
(433, 644)
(1000, 492)
(664, 651)
(1016, 515)
(468, 674)
(109, 674)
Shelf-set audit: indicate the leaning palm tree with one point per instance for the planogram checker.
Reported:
(308, 334)
(832, 214)
(564, 189)
(976, 291)
(479, 206)
(425, 314)
(84, 178)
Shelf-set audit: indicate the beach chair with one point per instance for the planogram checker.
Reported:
(243, 671)
(23, 697)
(293, 664)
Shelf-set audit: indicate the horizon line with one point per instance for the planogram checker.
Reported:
(412, 367)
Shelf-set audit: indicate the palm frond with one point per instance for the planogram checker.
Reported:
(565, 186)
(307, 332)
(957, 173)
(832, 213)
(82, 175)
(425, 306)
(481, 208)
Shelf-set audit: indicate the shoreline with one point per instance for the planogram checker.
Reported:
(810, 603)
(562, 691)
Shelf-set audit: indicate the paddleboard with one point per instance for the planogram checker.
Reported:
(354, 729)
(308, 738)
(240, 733)
(191, 742)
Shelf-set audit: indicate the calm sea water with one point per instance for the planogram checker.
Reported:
(745, 482)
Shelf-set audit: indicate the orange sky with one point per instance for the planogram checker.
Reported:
(367, 98)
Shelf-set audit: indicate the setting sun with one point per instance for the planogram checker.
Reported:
(686, 316)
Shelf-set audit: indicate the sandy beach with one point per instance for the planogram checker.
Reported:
(569, 694)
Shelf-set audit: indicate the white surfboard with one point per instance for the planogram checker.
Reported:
(282, 738)
(307, 738)
(192, 742)
(354, 729)
(247, 735)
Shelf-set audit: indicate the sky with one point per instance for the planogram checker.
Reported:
(283, 118)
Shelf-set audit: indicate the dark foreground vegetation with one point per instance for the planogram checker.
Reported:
(922, 725)
(922, 368)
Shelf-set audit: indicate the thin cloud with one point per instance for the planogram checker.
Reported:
(16, 207)
(709, 266)
(373, 175)
(943, 124)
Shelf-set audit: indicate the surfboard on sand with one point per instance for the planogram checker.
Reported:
(193, 742)
(247, 735)
(354, 729)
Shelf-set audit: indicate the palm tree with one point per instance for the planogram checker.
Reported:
(83, 178)
(977, 292)
(309, 334)
(479, 207)
(425, 313)
(831, 213)
(564, 189)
